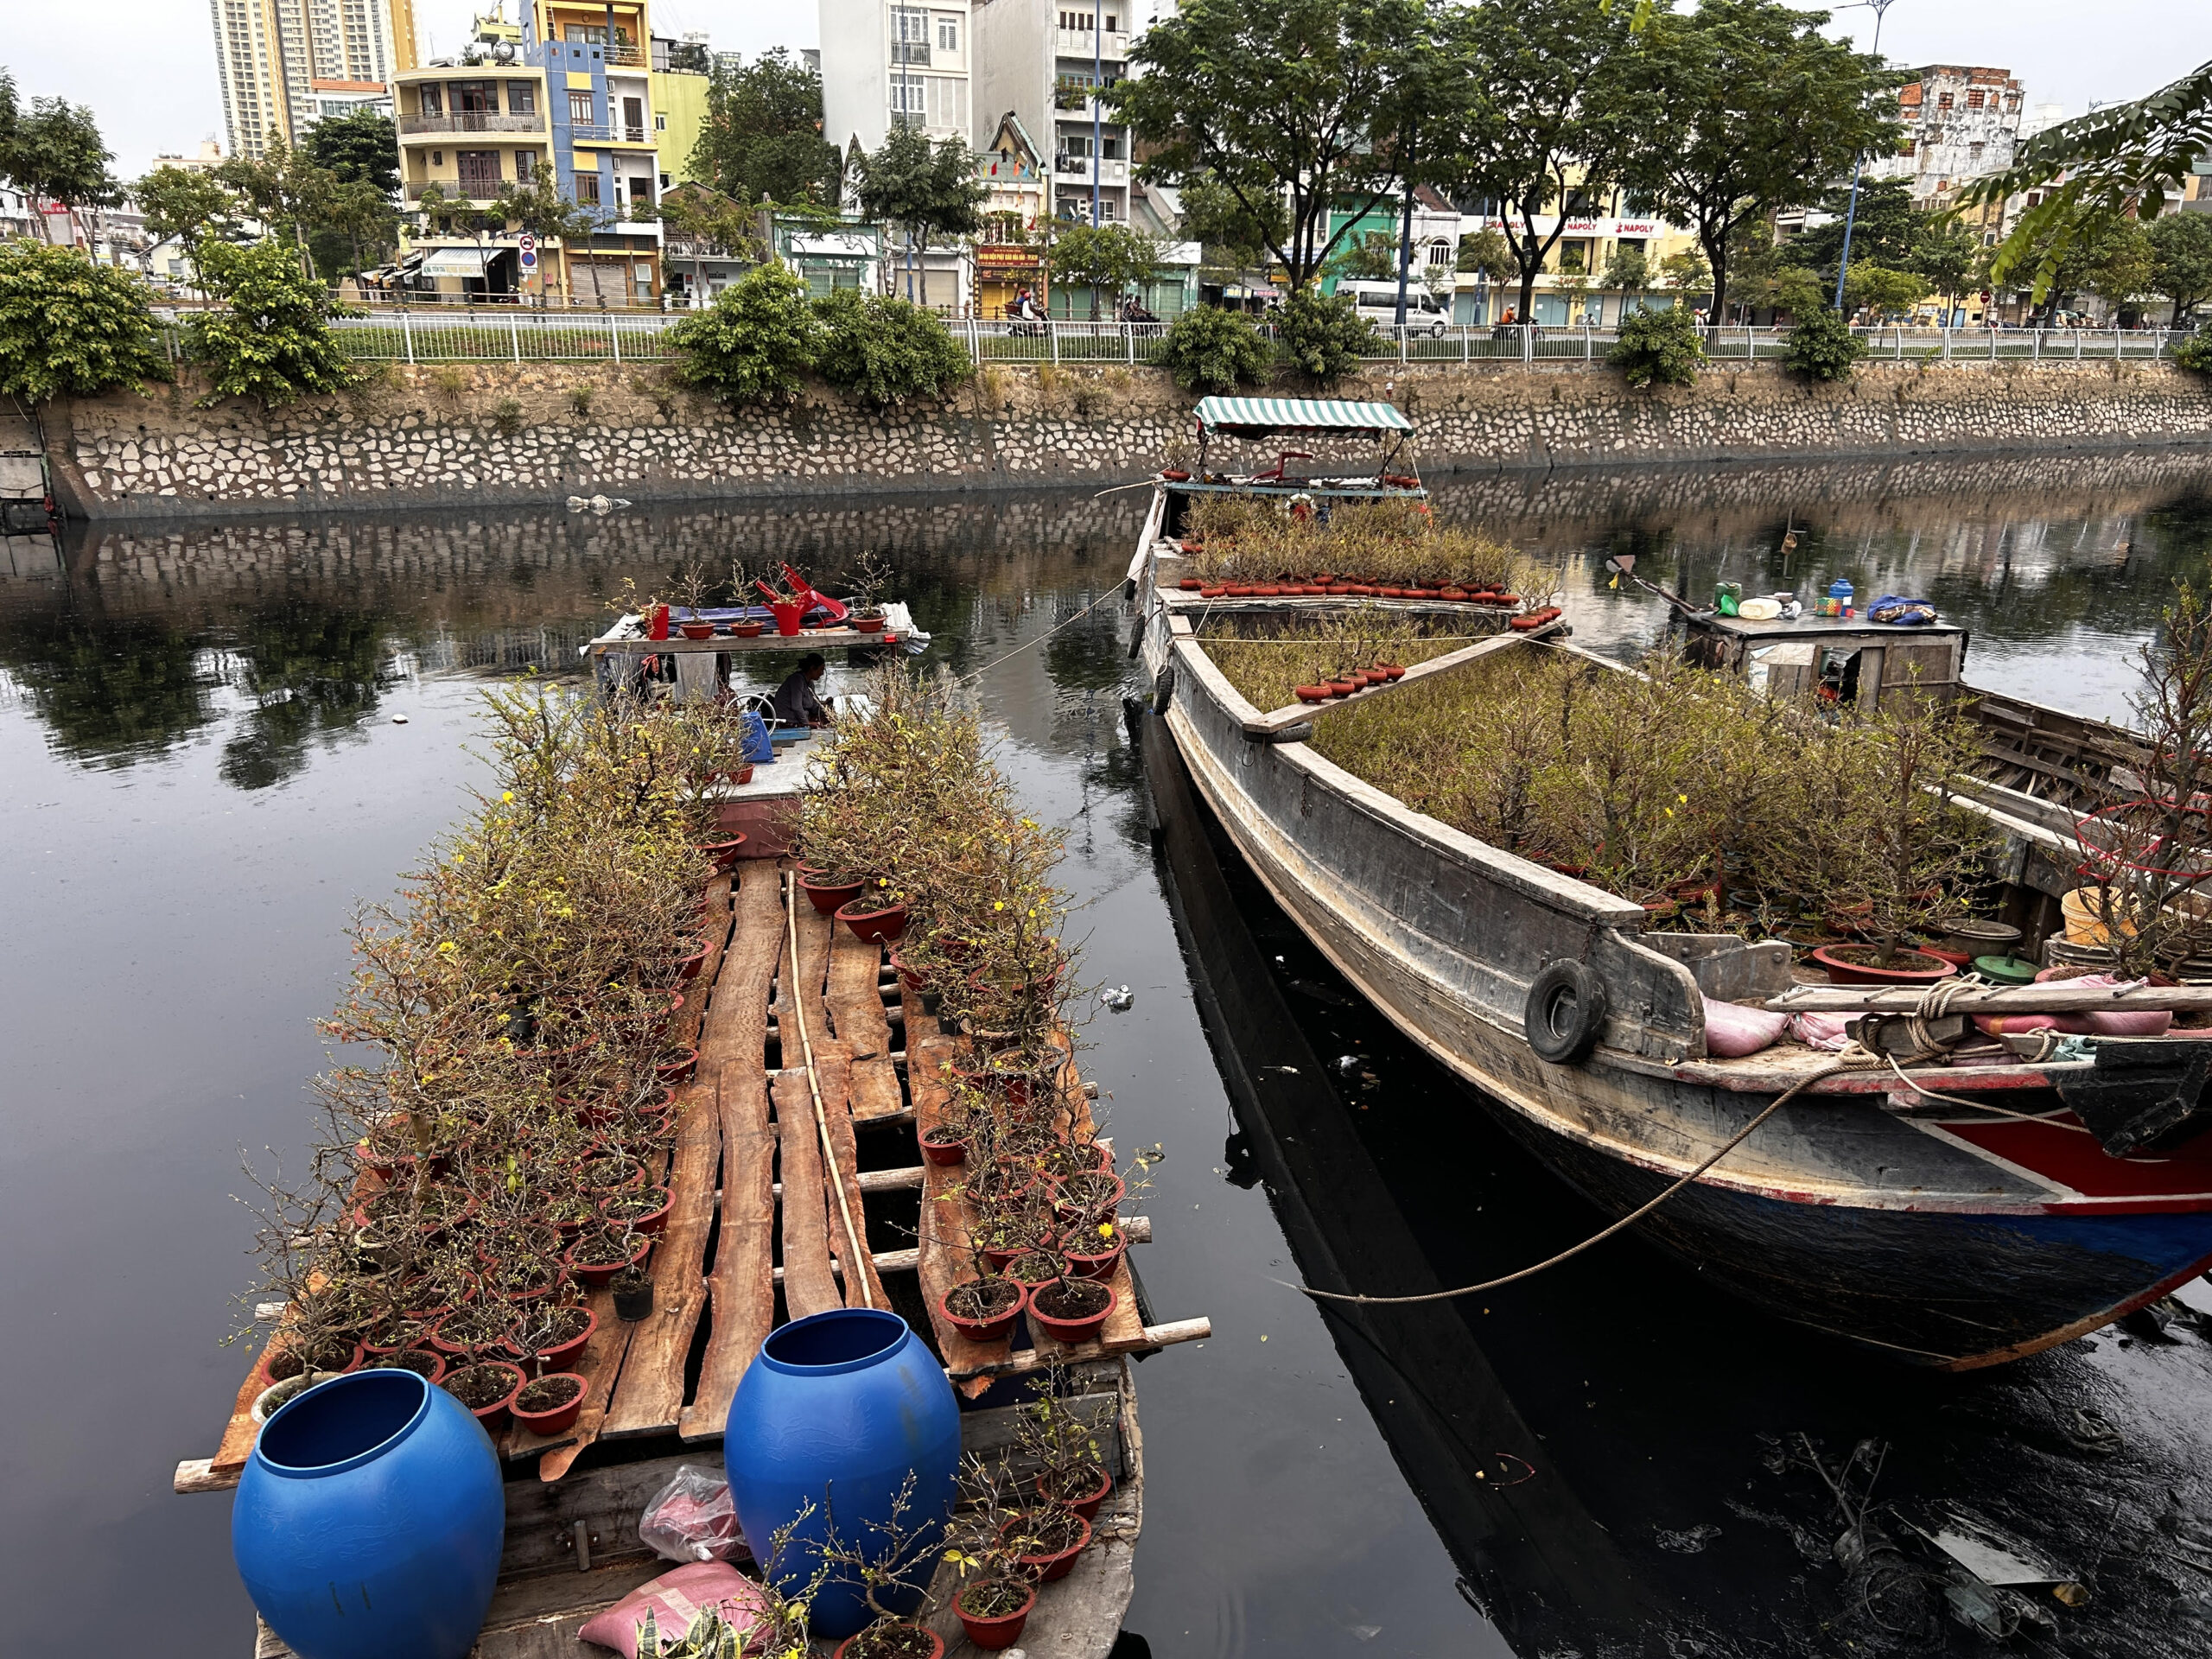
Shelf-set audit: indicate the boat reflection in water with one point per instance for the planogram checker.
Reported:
(1622, 1461)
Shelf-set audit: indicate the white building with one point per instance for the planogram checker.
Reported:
(885, 63)
(285, 64)
(1046, 60)
(1960, 122)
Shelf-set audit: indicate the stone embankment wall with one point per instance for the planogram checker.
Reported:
(495, 434)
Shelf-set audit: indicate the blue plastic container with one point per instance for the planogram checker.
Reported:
(369, 1520)
(1840, 597)
(834, 1411)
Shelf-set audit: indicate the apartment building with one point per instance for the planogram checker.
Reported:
(886, 63)
(283, 65)
(1960, 122)
(1047, 61)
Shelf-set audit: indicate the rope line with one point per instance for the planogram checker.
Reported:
(1109, 593)
(1848, 1061)
(856, 1265)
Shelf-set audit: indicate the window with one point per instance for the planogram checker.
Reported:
(1573, 257)
(476, 97)
(525, 166)
(1974, 155)
(1077, 20)
(633, 119)
(660, 123)
(906, 101)
(581, 112)
(480, 173)
(948, 34)
(587, 189)
(1075, 143)
(522, 98)
(1942, 100)
(641, 192)
(947, 103)
(434, 100)
(1113, 24)
(1110, 147)
(438, 158)
(1438, 257)
(910, 35)
(1973, 99)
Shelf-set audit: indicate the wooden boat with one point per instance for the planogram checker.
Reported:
(1944, 1234)
(753, 1239)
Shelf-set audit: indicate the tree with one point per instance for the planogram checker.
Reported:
(1686, 270)
(1882, 228)
(1276, 102)
(1747, 103)
(1324, 335)
(1102, 257)
(1942, 254)
(271, 337)
(754, 343)
(2095, 170)
(1627, 270)
(358, 148)
(763, 138)
(1207, 349)
(55, 154)
(1658, 346)
(710, 222)
(1370, 256)
(2181, 261)
(887, 350)
(70, 327)
(908, 183)
(187, 204)
(286, 190)
(2124, 269)
(362, 216)
(1881, 289)
(1231, 239)
(1559, 115)
(1486, 254)
(1821, 346)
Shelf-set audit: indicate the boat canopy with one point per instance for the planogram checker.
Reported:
(1259, 417)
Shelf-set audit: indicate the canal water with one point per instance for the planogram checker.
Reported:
(217, 740)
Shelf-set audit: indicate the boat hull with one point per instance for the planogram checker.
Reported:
(1929, 1238)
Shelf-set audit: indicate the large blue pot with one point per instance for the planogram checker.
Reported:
(369, 1520)
(834, 1411)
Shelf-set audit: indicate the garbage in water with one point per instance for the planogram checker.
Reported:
(1118, 998)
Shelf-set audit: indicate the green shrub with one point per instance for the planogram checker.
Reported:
(2194, 354)
(1207, 349)
(507, 414)
(1324, 334)
(1822, 346)
(271, 338)
(1663, 347)
(885, 351)
(754, 344)
(70, 327)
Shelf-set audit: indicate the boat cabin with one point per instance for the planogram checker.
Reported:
(1841, 659)
(1316, 475)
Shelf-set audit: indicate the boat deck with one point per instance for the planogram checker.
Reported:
(756, 1237)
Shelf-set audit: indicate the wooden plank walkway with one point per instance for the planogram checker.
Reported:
(716, 1268)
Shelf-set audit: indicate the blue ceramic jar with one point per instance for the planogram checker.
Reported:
(834, 1411)
(369, 1520)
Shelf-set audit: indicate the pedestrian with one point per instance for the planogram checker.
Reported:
(795, 700)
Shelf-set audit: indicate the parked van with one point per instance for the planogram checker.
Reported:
(1378, 303)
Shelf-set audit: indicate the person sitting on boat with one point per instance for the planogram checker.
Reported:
(795, 699)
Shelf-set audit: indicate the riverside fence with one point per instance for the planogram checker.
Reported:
(522, 336)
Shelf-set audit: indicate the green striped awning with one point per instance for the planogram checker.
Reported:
(1256, 417)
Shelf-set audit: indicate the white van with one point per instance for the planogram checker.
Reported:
(1378, 303)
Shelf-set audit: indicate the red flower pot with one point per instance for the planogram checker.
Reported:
(1311, 693)
(494, 1416)
(722, 852)
(936, 1642)
(1920, 969)
(1082, 1330)
(871, 922)
(559, 1417)
(1341, 688)
(561, 1355)
(653, 1221)
(1173, 475)
(1189, 584)
(1049, 1567)
(988, 1330)
(697, 630)
(597, 1275)
(787, 616)
(993, 1634)
(943, 1153)
(657, 622)
(1086, 1507)
(1390, 670)
(908, 976)
(748, 630)
(688, 967)
(827, 896)
(1211, 593)
(1087, 1263)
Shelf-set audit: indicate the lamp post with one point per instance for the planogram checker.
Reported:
(1097, 110)
(1881, 9)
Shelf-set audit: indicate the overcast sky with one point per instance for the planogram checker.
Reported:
(147, 67)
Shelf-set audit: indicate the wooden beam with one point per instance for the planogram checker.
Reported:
(741, 1294)
(808, 1287)
(856, 1015)
(1277, 721)
(2002, 998)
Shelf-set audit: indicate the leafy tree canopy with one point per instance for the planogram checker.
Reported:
(2181, 258)
(908, 182)
(1207, 349)
(359, 147)
(272, 338)
(1741, 103)
(53, 152)
(1231, 238)
(1289, 102)
(763, 137)
(1108, 258)
(185, 204)
(755, 343)
(1486, 253)
(887, 350)
(1324, 335)
(1658, 346)
(69, 327)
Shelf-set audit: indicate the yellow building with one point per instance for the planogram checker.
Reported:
(681, 77)
(467, 131)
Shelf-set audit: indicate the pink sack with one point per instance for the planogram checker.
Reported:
(1823, 1031)
(677, 1598)
(1733, 1031)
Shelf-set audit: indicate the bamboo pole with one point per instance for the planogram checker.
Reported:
(1996, 998)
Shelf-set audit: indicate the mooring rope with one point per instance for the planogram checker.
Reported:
(1853, 1058)
(856, 1263)
(1110, 593)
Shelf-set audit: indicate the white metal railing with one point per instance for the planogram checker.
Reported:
(471, 121)
(430, 328)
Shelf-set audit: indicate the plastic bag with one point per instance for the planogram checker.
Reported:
(676, 1597)
(692, 1519)
(757, 747)
(1731, 1030)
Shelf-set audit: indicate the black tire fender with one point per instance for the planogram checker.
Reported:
(1565, 1012)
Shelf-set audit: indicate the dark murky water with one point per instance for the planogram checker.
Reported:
(197, 733)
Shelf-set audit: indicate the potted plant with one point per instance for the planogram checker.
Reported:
(741, 587)
(549, 1404)
(692, 587)
(875, 915)
(894, 1568)
(1070, 1470)
(632, 1288)
(997, 1590)
(1073, 1310)
(865, 611)
(1050, 1536)
(787, 603)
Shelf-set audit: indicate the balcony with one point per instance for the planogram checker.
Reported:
(581, 133)
(1076, 43)
(468, 121)
(1110, 172)
(457, 191)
